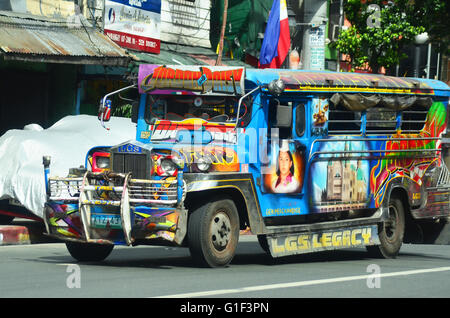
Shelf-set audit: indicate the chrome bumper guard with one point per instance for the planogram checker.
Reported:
(86, 191)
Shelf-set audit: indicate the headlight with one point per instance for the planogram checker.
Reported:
(103, 162)
(168, 166)
(203, 164)
(100, 161)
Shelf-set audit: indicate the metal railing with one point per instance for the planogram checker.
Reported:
(371, 152)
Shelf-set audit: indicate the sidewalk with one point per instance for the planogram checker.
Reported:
(14, 235)
(23, 231)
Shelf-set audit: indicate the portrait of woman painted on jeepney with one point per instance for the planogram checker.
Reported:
(284, 171)
(286, 181)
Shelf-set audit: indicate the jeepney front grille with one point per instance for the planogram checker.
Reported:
(134, 163)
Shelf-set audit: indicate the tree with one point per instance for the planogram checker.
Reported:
(379, 30)
(434, 16)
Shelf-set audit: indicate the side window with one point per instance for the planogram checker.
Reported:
(280, 117)
(413, 119)
(381, 120)
(342, 121)
(300, 123)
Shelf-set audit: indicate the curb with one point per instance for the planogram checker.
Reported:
(14, 235)
(31, 233)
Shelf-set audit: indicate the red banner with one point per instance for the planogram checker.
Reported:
(134, 41)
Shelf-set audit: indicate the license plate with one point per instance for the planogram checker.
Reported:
(106, 221)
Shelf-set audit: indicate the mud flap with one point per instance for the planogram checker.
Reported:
(322, 240)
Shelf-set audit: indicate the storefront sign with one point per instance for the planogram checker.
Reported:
(134, 24)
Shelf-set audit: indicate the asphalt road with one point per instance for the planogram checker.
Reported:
(47, 270)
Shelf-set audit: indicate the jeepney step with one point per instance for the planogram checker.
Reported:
(101, 202)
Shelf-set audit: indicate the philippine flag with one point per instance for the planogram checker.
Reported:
(277, 39)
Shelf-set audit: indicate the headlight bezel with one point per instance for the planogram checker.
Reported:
(104, 158)
(168, 167)
(203, 164)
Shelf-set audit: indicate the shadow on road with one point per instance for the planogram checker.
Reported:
(248, 253)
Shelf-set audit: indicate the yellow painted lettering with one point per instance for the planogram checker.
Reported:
(315, 241)
(336, 239)
(367, 235)
(356, 241)
(346, 238)
(326, 239)
(303, 242)
(277, 248)
(290, 243)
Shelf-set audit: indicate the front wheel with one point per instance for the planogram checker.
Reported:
(89, 252)
(213, 232)
(390, 232)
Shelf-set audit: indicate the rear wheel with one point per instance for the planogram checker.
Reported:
(213, 233)
(89, 252)
(390, 232)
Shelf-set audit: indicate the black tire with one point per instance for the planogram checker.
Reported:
(390, 232)
(88, 252)
(213, 232)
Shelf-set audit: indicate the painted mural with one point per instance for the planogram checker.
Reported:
(339, 177)
(285, 171)
(320, 109)
(412, 165)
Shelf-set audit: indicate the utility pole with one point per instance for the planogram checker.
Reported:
(222, 32)
(315, 19)
(341, 24)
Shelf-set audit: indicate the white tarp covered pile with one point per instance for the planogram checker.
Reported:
(67, 142)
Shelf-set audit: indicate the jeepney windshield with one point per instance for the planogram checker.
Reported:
(216, 109)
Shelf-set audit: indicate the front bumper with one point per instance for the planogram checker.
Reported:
(114, 208)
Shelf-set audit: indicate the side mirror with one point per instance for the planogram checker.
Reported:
(104, 111)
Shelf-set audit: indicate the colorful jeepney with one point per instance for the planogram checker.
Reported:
(307, 161)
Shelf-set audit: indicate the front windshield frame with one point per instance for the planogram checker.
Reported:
(212, 109)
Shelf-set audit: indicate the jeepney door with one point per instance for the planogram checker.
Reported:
(283, 171)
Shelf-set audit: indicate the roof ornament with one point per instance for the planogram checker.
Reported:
(276, 87)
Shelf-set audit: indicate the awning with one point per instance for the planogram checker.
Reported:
(39, 39)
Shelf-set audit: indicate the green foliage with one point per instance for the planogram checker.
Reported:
(122, 111)
(434, 16)
(377, 36)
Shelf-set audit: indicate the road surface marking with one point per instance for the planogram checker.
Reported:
(303, 283)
